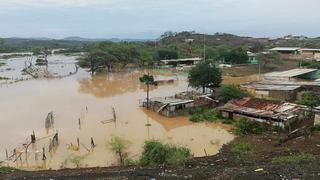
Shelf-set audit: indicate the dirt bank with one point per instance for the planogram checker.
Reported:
(224, 165)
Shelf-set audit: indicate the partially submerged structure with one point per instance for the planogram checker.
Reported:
(168, 106)
(274, 113)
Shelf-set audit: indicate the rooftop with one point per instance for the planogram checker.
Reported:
(262, 108)
(171, 101)
(285, 49)
(290, 73)
(271, 87)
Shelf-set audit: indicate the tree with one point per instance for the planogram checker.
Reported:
(235, 56)
(167, 54)
(269, 60)
(229, 92)
(204, 75)
(309, 98)
(148, 80)
(119, 145)
(97, 59)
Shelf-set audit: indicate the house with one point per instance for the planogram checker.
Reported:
(312, 54)
(253, 58)
(168, 106)
(286, 50)
(176, 62)
(285, 85)
(274, 113)
(273, 91)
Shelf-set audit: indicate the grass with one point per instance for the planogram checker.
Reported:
(293, 159)
(155, 153)
(240, 149)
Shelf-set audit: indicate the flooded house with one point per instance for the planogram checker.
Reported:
(275, 113)
(168, 106)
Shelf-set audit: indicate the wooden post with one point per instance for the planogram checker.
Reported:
(79, 122)
(15, 153)
(205, 152)
(50, 144)
(92, 143)
(7, 155)
(33, 138)
(43, 154)
(114, 114)
(78, 141)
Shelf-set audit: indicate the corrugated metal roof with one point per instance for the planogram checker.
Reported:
(262, 108)
(181, 60)
(171, 101)
(290, 73)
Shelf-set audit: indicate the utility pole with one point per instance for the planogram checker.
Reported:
(204, 46)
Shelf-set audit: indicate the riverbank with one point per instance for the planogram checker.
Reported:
(295, 159)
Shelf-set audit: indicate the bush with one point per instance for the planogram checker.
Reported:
(204, 114)
(241, 149)
(119, 146)
(229, 92)
(6, 170)
(157, 153)
(244, 127)
(293, 159)
(315, 128)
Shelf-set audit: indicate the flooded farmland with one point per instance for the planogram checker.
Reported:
(80, 103)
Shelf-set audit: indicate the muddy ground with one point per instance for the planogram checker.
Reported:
(224, 165)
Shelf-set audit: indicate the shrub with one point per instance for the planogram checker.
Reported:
(119, 145)
(241, 149)
(6, 170)
(315, 128)
(244, 127)
(157, 153)
(309, 98)
(229, 92)
(293, 159)
(204, 114)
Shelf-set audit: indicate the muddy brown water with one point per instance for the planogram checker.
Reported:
(25, 105)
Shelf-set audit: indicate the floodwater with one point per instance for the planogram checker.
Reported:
(24, 107)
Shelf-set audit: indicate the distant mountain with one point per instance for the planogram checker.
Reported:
(81, 39)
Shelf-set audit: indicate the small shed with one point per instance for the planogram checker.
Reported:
(168, 106)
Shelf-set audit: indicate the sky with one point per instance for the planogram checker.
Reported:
(148, 19)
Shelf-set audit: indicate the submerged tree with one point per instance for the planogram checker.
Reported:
(148, 80)
(119, 146)
(205, 75)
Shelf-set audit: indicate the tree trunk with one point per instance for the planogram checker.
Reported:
(147, 95)
(203, 89)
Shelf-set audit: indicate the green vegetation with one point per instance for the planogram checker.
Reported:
(147, 80)
(315, 128)
(77, 161)
(119, 146)
(309, 98)
(245, 127)
(234, 56)
(293, 159)
(6, 170)
(240, 149)
(204, 114)
(228, 92)
(205, 75)
(157, 153)
(310, 64)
